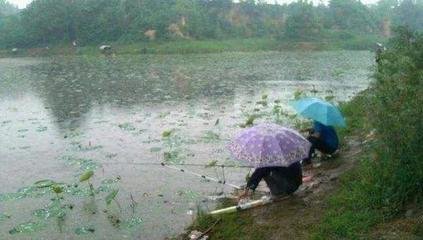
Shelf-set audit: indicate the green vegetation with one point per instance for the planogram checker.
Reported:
(390, 174)
(230, 226)
(152, 26)
(67, 197)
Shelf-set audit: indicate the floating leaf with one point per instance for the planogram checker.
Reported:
(212, 164)
(250, 120)
(44, 183)
(167, 133)
(111, 196)
(57, 189)
(84, 230)
(41, 129)
(298, 94)
(127, 127)
(131, 223)
(4, 216)
(155, 149)
(55, 209)
(263, 103)
(329, 98)
(86, 176)
(210, 136)
(27, 227)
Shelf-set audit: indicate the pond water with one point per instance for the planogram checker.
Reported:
(122, 116)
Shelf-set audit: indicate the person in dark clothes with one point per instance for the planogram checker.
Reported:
(322, 138)
(281, 181)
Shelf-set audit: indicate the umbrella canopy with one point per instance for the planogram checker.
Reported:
(320, 111)
(269, 145)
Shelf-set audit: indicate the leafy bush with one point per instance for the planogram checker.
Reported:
(390, 173)
(398, 114)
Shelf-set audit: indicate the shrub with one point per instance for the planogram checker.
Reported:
(390, 173)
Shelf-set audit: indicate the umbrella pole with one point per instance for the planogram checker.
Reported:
(200, 175)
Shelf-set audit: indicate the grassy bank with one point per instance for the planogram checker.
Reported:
(388, 181)
(292, 219)
(381, 197)
(204, 46)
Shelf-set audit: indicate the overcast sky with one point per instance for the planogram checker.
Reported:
(23, 3)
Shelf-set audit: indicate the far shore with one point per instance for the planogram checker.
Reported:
(190, 47)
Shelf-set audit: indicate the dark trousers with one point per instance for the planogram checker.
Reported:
(280, 185)
(318, 144)
(280, 180)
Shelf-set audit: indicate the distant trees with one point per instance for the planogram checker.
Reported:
(46, 22)
(303, 22)
(410, 13)
(7, 9)
(352, 15)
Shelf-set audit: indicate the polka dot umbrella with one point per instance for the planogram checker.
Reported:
(269, 145)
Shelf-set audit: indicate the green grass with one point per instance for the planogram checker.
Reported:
(331, 42)
(230, 226)
(356, 114)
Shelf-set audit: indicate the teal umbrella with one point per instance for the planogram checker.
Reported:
(320, 111)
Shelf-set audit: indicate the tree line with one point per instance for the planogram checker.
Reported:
(87, 22)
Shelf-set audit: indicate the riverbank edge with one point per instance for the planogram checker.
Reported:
(243, 223)
(243, 226)
(197, 47)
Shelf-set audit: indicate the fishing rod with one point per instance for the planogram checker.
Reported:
(177, 164)
(173, 166)
(201, 175)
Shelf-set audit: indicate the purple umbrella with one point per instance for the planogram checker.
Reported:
(269, 145)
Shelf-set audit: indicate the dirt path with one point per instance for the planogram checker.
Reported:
(292, 218)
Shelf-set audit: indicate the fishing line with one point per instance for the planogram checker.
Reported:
(176, 164)
(201, 175)
(186, 171)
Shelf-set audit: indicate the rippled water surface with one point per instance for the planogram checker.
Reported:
(122, 116)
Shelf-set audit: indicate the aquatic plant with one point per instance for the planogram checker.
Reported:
(212, 163)
(27, 227)
(127, 126)
(85, 177)
(250, 120)
(167, 133)
(84, 230)
(210, 136)
(111, 197)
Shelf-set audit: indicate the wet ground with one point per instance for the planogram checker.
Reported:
(122, 116)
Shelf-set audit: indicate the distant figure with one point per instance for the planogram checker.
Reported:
(322, 138)
(282, 181)
(151, 34)
(106, 49)
(74, 43)
(379, 50)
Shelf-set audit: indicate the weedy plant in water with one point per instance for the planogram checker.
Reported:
(85, 177)
(27, 227)
(91, 207)
(167, 133)
(4, 216)
(113, 218)
(299, 94)
(250, 121)
(55, 208)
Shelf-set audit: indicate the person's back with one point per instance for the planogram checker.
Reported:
(328, 135)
